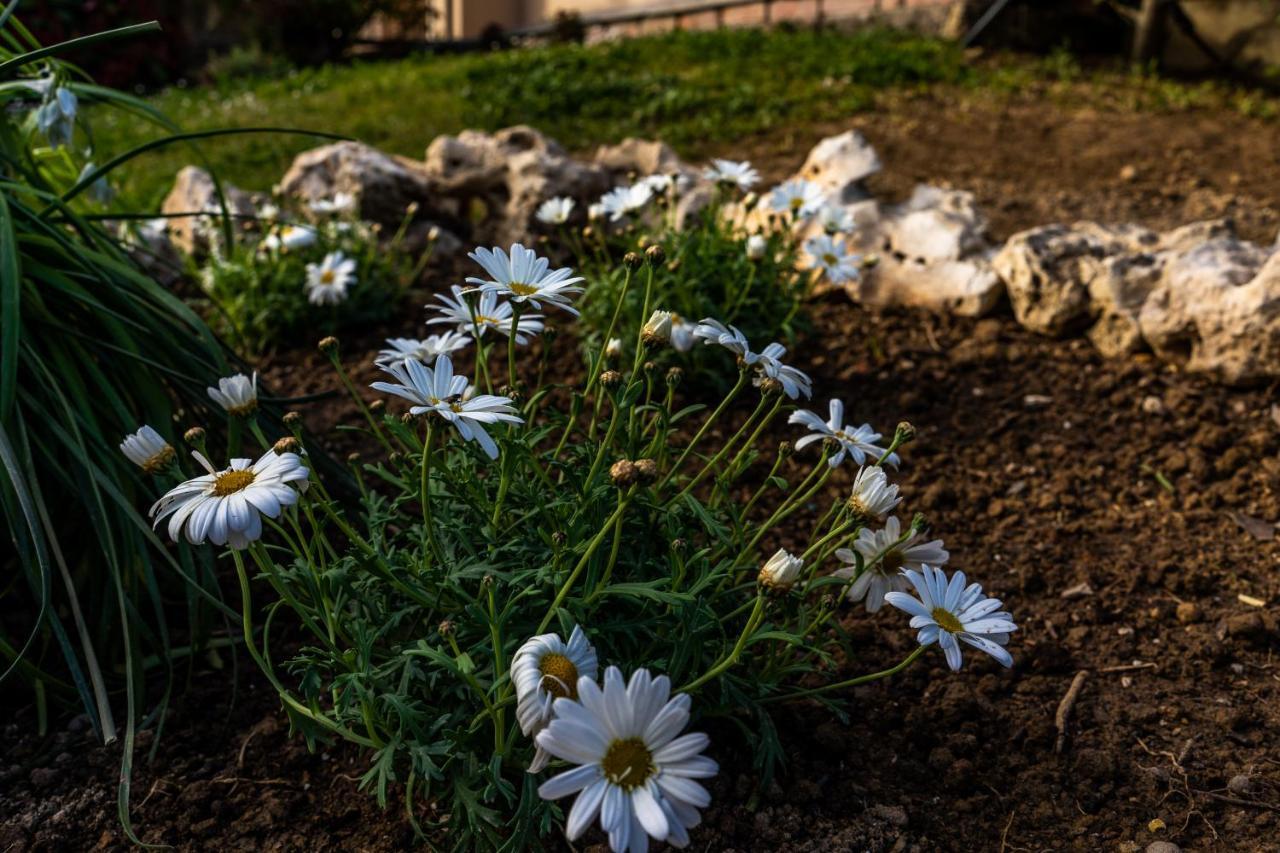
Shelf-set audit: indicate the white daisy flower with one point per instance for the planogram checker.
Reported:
(290, 238)
(633, 768)
(664, 184)
(439, 392)
(947, 612)
(835, 220)
(884, 558)
(425, 350)
(340, 203)
(872, 496)
(613, 349)
(269, 212)
(857, 444)
(757, 245)
(682, 333)
(657, 329)
(147, 449)
(781, 571)
(712, 331)
(621, 201)
(739, 174)
(555, 211)
(489, 314)
(237, 394)
(595, 211)
(544, 669)
(797, 197)
(327, 281)
(226, 507)
(523, 277)
(768, 361)
(829, 255)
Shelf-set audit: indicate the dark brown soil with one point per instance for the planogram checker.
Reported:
(1114, 506)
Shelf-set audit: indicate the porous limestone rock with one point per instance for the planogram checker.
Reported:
(194, 191)
(840, 164)
(383, 185)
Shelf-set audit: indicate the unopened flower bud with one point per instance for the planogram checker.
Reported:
(780, 572)
(613, 349)
(679, 544)
(674, 265)
(650, 368)
(655, 254)
(905, 433)
(515, 393)
(756, 246)
(488, 581)
(328, 345)
(587, 231)
(632, 260)
(377, 407)
(785, 449)
(395, 457)
(558, 538)
(292, 419)
(195, 435)
(408, 418)
(623, 473)
(657, 329)
(376, 228)
(610, 379)
(433, 234)
(674, 377)
(288, 444)
(446, 628)
(919, 523)
(550, 333)
(353, 458)
(411, 208)
(646, 471)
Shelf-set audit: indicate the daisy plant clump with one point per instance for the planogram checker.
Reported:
(731, 249)
(565, 597)
(319, 268)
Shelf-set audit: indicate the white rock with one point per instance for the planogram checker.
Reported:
(839, 164)
(194, 190)
(382, 184)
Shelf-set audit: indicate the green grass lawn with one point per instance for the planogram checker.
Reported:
(697, 91)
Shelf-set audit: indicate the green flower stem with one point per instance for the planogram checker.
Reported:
(575, 409)
(742, 294)
(714, 461)
(616, 518)
(719, 410)
(355, 395)
(424, 496)
(499, 666)
(637, 363)
(753, 621)
(482, 695)
(246, 619)
(266, 566)
(614, 420)
(598, 367)
(608, 569)
(233, 436)
(798, 499)
(839, 531)
(852, 682)
(773, 472)
(482, 355)
(751, 442)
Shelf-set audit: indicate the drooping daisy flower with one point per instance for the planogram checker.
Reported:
(290, 238)
(555, 211)
(524, 277)
(657, 329)
(947, 612)
(835, 220)
(757, 245)
(682, 333)
(781, 571)
(857, 444)
(147, 449)
(237, 394)
(872, 497)
(712, 331)
(837, 263)
(633, 770)
(618, 202)
(425, 350)
(613, 349)
(797, 197)
(738, 174)
(439, 392)
(327, 281)
(490, 313)
(768, 362)
(884, 558)
(544, 669)
(226, 507)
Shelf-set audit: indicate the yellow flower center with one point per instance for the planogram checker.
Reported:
(628, 763)
(482, 320)
(830, 259)
(160, 461)
(522, 289)
(946, 620)
(457, 407)
(797, 203)
(327, 277)
(230, 482)
(891, 562)
(559, 676)
(243, 409)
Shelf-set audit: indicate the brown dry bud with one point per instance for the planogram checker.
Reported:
(446, 628)
(770, 387)
(633, 260)
(610, 379)
(288, 444)
(655, 254)
(377, 407)
(328, 345)
(646, 471)
(623, 473)
(292, 419)
(195, 435)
